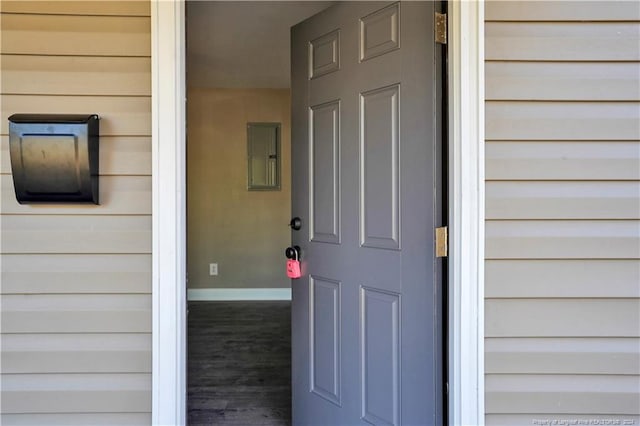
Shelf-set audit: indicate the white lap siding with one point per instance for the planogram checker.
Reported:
(76, 279)
(562, 212)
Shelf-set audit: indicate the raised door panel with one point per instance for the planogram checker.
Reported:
(325, 172)
(326, 357)
(380, 352)
(380, 168)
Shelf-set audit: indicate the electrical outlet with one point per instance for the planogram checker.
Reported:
(213, 269)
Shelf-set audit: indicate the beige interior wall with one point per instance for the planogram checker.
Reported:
(76, 279)
(562, 280)
(245, 232)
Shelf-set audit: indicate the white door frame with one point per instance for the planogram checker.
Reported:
(466, 215)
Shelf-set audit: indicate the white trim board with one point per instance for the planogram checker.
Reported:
(466, 217)
(466, 212)
(168, 127)
(227, 294)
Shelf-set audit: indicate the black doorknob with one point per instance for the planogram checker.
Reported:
(296, 223)
(292, 252)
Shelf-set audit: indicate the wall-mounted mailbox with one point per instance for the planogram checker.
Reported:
(54, 158)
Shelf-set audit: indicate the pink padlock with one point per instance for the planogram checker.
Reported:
(293, 266)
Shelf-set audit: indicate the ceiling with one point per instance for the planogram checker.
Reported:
(242, 44)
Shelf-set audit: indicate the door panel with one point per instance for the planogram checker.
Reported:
(379, 168)
(324, 162)
(366, 317)
(325, 342)
(380, 346)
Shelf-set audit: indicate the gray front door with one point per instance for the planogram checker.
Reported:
(366, 137)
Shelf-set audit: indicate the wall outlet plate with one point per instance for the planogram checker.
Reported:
(213, 269)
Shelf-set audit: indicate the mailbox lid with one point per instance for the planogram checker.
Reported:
(53, 118)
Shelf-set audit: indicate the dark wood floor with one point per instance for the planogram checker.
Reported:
(239, 361)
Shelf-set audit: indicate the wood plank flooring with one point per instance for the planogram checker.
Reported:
(239, 363)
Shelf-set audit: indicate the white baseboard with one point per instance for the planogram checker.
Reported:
(214, 294)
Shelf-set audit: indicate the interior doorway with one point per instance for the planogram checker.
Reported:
(238, 76)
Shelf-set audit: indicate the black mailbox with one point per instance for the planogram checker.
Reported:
(54, 157)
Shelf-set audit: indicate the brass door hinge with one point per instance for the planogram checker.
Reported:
(441, 28)
(442, 241)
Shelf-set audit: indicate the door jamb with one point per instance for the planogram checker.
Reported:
(466, 212)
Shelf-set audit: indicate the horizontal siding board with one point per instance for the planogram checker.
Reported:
(562, 356)
(119, 155)
(36, 282)
(560, 419)
(58, 75)
(77, 321)
(81, 393)
(76, 342)
(551, 402)
(76, 234)
(562, 41)
(110, 7)
(562, 239)
(51, 274)
(80, 401)
(119, 116)
(76, 362)
(562, 200)
(77, 419)
(563, 81)
(562, 382)
(511, 120)
(604, 394)
(125, 156)
(562, 278)
(562, 160)
(100, 313)
(72, 382)
(119, 195)
(514, 362)
(76, 353)
(562, 11)
(76, 35)
(70, 302)
(562, 318)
